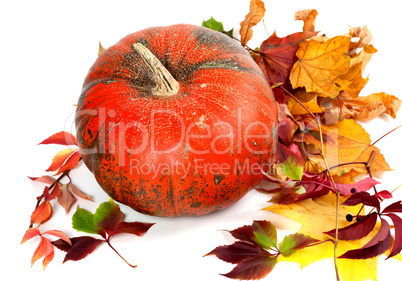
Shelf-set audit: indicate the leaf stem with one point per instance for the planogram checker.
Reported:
(110, 245)
(337, 202)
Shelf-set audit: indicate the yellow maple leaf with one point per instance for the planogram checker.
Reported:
(309, 100)
(318, 215)
(321, 63)
(344, 142)
(257, 11)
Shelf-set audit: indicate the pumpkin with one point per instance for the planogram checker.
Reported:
(176, 121)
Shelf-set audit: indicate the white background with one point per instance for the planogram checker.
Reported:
(47, 47)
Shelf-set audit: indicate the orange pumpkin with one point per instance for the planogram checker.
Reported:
(176, 121)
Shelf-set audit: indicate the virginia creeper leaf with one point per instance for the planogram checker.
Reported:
(357, 230)
(83, 220)
(29, 234)
(42, 213)
(136, 228)
(58, 234)
(79, 192)
(264, 234)
(108, 215)
(397, 221)
(376, 246)
(60, 158)
(66, 199)
(291, 243)
(81, 247)
(40, 250)
(237, 252)
(393, 208)
(362, 198)
(63, 138)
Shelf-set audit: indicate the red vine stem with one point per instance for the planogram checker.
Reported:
(110, 245)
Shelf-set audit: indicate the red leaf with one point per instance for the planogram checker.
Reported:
(359, 186)
(45, 179)
(244, 233)
(356, 230)
(286, 129)
(108, 217)
(49, 254)
(66, 198)
(59, 234)
(71, 162)
(383, 194)
(253, 261)
(40, 250)
(29, 234)
(255, 267)
(63, 138)
(79, 193)
(62, 245)
(81, 247)
(376, 246)
(237, 252)
(393, 208)
(277, 55)
(42, 213)
(136, 228)
(362, 198)
(397, 221)
(60, 159)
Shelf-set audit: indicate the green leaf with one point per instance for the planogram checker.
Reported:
(213, 24)
(294, 242)
(83, 220)
(265, 234)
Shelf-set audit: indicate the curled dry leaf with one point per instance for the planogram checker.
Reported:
(255, 15)
(308, 17)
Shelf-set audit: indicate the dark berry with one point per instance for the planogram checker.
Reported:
(358, 218)
(349, 217)
(353, 190)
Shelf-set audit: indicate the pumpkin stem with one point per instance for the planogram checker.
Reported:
(166, 85)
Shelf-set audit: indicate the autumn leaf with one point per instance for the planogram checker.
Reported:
(276, 56)
(256, 254)
(62, 138)
(321, 63)
(257, 11)
(64, 160)
(309, 101)
(45, 247)
(308, 17)
(291, 161)
(363, 108)
(344, 142)
(44, 211)
(107, 221)
(316, 216)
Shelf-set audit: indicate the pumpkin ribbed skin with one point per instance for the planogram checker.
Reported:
(186, 154)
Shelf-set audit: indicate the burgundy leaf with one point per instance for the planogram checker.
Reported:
(62, 245)
(376, 246)
(292, 151)
(63, 138)
(264, 234)
(286, 129)
(393, 208)
(397, 221)
(362, 198)
(256, 267)
(136, 228)
(253, 262)
(111, 219)
(356, 230)
(238, 252)
(359, 186)
(244, 233)
(81, 247)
